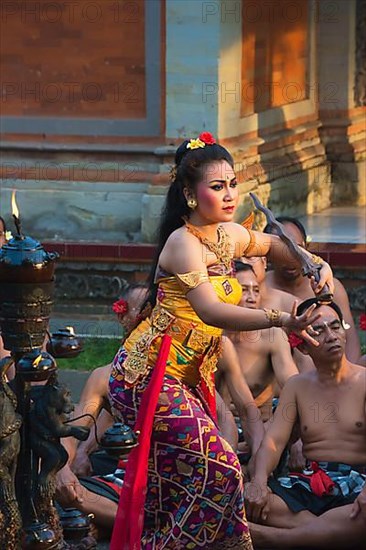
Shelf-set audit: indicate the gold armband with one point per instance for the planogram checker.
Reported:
(252, 243)
(273, 316)
(317, 259)
(191, 280)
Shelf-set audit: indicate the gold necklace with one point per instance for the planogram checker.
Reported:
(221, 249)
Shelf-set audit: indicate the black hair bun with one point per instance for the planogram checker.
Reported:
(181, 151)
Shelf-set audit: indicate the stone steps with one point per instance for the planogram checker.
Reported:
(90, 192)
(85, 163)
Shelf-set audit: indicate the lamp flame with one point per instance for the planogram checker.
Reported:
(37, 360)
(14, 207)
(16, 218)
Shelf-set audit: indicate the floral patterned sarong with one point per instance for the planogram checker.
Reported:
(195, 494)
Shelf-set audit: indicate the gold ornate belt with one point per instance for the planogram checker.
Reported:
(163, 322)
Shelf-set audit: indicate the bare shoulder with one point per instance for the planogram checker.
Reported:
(239, 237)
(299, 381)
(96, 386)
(339, 291)
(278, 299)
(233, 228)
(278, 336)
(286, 299)
(337, 283)
(182, 252)
(100, 375)
(359, 373)
(181, 237)
(270, 279)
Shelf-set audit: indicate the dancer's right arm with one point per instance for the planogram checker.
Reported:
(183, 253)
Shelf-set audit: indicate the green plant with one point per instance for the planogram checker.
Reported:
(96, 353)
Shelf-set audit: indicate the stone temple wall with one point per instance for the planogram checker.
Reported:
(95, 101)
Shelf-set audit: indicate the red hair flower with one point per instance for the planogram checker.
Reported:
(363, 321)
(294, 340)
(120, 307)
(207, 138)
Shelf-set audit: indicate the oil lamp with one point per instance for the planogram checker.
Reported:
(119, 440)
(26, 290)
(64, 343)
(26, 298)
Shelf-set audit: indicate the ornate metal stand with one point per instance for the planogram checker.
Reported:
(32, 417)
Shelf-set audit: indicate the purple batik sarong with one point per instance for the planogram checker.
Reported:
(195, 492)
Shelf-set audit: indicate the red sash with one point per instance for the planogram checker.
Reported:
(320, 482)
(129, 522)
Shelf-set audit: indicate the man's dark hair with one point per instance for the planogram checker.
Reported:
(241, 266)
(133, 286)
(287, 219)
(307, 303)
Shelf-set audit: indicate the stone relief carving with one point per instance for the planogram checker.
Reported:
(85, 285)
(79, 286)
(360, 78)
(357, 298)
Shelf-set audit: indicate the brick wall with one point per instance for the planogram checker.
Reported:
(73, 58)
(274, 54)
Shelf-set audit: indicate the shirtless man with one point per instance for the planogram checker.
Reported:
(265, 355)
(329, 404)
(270, 297)
(287, 277)
(134, 296)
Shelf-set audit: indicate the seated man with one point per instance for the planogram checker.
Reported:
(239, 393)
(264, 355)
(85, 462)
(270, 297)
(322, 507)
(288, 277)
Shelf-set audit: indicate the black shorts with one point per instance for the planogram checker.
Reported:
(299, 497)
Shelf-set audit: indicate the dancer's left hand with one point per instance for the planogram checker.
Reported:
(326, 278)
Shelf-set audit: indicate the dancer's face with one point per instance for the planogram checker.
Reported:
(217, 193)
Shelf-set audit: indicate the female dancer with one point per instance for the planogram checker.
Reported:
(183, 485)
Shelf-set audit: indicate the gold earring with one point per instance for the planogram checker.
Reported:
(192, 203)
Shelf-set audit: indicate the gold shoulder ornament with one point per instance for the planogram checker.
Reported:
(192, 279)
